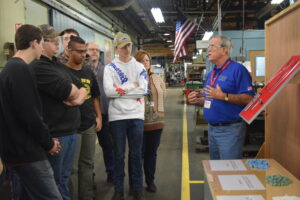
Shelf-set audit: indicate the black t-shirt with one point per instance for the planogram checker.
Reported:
(88, 79)
(54, 84)
(24, 135)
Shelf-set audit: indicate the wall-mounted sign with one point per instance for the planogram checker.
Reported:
(272, 88)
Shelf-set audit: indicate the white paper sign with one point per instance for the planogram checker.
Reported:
(241, 197)
(227, 165)
(240, 182)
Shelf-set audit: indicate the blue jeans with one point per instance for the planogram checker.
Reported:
(150, 146)
(105, 141)
(226, 142)
(62, 164)
(133, 129)
(38, 181)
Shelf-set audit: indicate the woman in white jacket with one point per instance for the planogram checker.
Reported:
(154, 119)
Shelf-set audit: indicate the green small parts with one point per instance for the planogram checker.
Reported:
(278, 180)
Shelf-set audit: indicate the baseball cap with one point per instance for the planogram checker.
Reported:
(48, 31)
(122, 39)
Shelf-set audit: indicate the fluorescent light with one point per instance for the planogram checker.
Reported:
(166, 34)
(169, 40)
(276, 1)
(157, 14)
(207, 35)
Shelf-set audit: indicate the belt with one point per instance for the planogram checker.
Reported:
(226, 123)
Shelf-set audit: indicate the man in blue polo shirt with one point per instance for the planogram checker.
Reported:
(228, 88)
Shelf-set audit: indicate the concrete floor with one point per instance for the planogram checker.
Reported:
(169, 163)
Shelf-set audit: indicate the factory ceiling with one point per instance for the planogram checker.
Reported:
(235, 15)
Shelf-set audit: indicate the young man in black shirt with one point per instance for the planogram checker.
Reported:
(81, 181)
(61, 93)
(25, 138)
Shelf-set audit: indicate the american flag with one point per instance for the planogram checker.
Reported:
(184, 29)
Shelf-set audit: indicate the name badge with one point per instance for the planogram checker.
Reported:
(207, 104)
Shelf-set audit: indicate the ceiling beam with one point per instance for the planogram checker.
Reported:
(193, 12)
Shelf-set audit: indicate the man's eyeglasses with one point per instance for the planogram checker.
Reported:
(93, 49)
(52, 40)
(79, 51)
(214, 47)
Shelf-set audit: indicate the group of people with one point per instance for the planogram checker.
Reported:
(51, 108)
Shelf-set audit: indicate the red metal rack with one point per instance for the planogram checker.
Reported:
(271, 89)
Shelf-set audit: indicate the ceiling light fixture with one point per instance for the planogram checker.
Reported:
(207, 35)
(157, 14)
(276, 1)
(166, 34)
(169, 40)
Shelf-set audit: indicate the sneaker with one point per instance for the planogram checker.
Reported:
(151, 187)
(110, 178)
(118, 196)
(138, 195)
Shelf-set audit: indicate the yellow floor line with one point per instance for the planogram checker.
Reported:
(185, 176)
(197, 182)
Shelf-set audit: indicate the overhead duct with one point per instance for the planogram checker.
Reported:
(119, 8)
(144, 16)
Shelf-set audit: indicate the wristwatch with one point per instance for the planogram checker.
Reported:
(226, 97)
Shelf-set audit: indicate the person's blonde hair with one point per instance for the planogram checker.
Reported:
(139, 55)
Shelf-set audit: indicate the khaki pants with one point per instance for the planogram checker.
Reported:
(81, 180)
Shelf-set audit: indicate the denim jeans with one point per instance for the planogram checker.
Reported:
(226, 142)
(37, 181)
(150, 146)
(105, 141)
(62, 164)
(82, 177)
(133, 129)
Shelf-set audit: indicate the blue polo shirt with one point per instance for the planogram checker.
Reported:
(235, 79)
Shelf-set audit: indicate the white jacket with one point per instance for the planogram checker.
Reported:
(124, 75)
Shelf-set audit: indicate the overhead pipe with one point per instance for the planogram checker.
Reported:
(62, 7)
(96, 9)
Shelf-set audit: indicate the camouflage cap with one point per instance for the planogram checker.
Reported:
(48, 31)
(122, 39)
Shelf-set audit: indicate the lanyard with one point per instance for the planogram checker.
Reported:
(214, 79)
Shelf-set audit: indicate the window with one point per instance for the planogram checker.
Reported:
(260, 66)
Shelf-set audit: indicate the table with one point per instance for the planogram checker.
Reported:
(271, 191)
